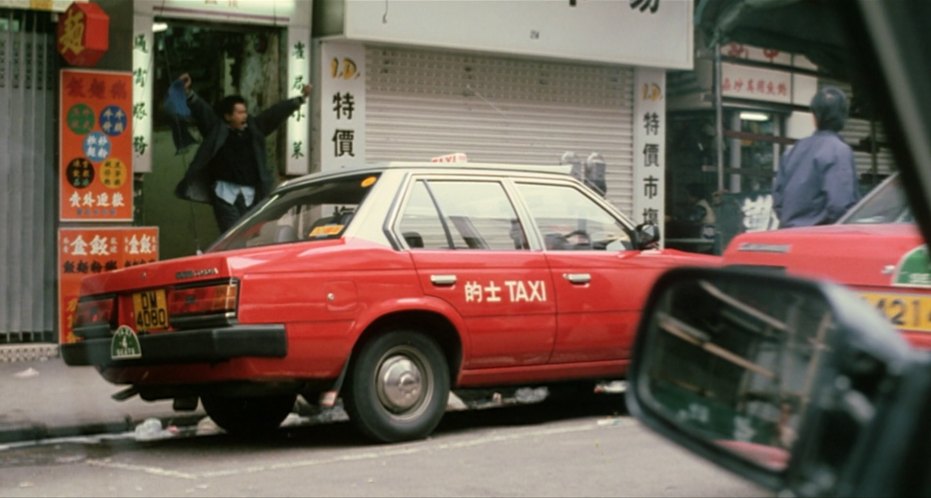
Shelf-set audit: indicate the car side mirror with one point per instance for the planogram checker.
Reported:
(647, 236)
(778, 379)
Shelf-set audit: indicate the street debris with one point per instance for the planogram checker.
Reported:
(151, 429)
(27, 373)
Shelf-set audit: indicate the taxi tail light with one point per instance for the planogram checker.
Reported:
(93, 316)
(203, 303)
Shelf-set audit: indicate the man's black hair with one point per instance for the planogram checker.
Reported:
(226, 104)
(830, 108)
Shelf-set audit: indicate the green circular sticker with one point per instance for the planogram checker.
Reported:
(914, 268)
(81, 119)
(125, 344)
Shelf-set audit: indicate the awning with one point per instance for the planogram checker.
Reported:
(808, 27)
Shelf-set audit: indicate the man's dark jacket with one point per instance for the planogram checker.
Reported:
(816, 182)
(197, 184)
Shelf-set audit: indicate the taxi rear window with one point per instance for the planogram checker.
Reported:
(314, 211)
(884, 204)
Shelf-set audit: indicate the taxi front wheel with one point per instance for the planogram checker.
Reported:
(398, 387)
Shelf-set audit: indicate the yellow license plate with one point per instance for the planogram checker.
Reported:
(150, 310)
(904, 311)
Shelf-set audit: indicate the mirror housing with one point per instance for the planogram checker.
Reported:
(647, 236)
(777, 379)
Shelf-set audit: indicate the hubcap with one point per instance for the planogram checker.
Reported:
(400, 383)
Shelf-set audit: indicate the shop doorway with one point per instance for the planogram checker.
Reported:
(753, 143)
(222, 60)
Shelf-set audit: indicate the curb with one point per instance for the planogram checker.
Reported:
(37, 432)
(10, 353)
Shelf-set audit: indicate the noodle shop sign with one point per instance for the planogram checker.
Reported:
(83, 34)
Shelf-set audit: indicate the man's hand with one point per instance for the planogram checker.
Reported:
(186, 78)
(305, 92)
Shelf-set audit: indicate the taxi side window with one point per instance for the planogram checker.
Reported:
(570, 221)
(461, 215)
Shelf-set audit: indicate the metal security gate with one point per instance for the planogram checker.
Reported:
(422, 104)
(862, 131)
(28, 149)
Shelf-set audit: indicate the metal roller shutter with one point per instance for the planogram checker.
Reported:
(28, 170)
(856, 130)
(422, 104)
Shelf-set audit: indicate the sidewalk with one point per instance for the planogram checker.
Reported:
(44, 398)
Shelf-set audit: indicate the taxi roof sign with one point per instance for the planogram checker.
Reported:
(455, 157)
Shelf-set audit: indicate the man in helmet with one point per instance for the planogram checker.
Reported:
(817, 180)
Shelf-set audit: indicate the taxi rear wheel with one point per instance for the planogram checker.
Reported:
(398, 387)
(249, 415)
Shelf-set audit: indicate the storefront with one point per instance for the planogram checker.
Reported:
(505, 82)
(259, 50)
(420, 103)
(763, 109)
(496, 81)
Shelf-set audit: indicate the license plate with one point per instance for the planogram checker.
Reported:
(904, 311)
(150, 310)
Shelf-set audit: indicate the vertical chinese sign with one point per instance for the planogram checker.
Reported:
(86, 251)
(96, 176)
(299, 124)
(141, 110)
(342, 106)
(649, 145)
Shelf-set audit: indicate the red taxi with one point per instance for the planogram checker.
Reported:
(874, 248)
(387, 286)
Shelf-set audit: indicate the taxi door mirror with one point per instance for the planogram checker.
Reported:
(647, 236)
(772, 377)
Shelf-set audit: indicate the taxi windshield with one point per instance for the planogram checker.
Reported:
(312, 211)
(884, 204)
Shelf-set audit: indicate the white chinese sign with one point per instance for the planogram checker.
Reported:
(265, 12)
(651, 33)
(142, 91)
(298, 138)
(649, 145)
(342, 105)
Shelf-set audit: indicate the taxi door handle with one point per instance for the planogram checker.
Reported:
(577, 278)
(443, 280)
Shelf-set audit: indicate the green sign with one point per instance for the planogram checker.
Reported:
(125, 344)
(914, 268)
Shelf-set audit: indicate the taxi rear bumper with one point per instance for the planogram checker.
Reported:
(185, 346)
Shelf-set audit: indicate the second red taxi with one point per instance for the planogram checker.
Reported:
(874, 248)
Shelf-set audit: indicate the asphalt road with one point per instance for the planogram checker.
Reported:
(524, 450)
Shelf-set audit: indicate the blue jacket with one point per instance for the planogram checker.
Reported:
(816, 182)
(197, 184)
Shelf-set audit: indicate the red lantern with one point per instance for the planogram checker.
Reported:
(83, 34)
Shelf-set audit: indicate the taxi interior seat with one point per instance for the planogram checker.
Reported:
(556, 242)
(285, 233)
(414, 240)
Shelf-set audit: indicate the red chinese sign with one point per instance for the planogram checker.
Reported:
(83, 34)
(753, 83)
(96, 146)
(86, 251)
